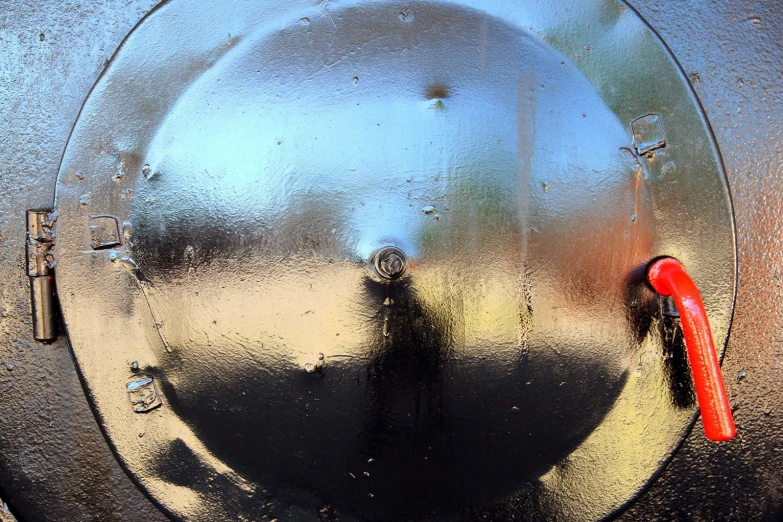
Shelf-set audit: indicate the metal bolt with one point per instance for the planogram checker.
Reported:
(390, 263)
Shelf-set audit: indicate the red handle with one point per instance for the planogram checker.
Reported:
(668, 277)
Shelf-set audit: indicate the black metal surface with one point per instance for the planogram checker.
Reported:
(732, 53)
(526, 162)
(701, 471)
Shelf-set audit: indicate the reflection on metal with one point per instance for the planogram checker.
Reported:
(40, 270)
(513, 372)
(668, 308)
(5, 513)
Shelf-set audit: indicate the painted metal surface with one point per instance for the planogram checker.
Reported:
(668, 277)
(256, 162)
(694, 471)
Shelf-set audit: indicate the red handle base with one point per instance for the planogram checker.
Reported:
(668, 277)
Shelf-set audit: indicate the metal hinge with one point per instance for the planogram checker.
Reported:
(40, 269)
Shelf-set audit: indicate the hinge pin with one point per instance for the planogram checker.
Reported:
(40, 269)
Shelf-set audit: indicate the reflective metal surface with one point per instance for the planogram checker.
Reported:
(185, 238)
(54, 463)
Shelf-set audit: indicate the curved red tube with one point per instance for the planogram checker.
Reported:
(668, 277)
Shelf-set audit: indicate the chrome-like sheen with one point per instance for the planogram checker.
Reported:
(258, 154)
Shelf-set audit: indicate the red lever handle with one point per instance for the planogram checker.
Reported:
(668, 277)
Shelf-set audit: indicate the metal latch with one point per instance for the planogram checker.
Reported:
(40, 269)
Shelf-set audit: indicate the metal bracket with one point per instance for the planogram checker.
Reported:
(668, 308)
(40, 270)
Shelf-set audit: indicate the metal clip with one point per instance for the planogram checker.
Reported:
(40, 269)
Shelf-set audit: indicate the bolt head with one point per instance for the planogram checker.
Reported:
(390, 263)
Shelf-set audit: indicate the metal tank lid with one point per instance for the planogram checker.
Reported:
(387, 259)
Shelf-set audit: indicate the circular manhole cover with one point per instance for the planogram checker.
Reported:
(384, 259)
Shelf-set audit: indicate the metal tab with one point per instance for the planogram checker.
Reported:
(104, 232)
(143, 394)
(648, 134)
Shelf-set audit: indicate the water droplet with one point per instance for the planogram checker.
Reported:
(366, 474)
(407, 15)
(355, 80)
(633, 217)
(146, 170)
(741, 375)
(304, 21)
(309, 367)
(321, 357)
(135, 365)
(545, 185)
(370, 495)
(429, 210)
(80, 175)
(9, 367)
(370, 461)
(515, 409)
(84, 200)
